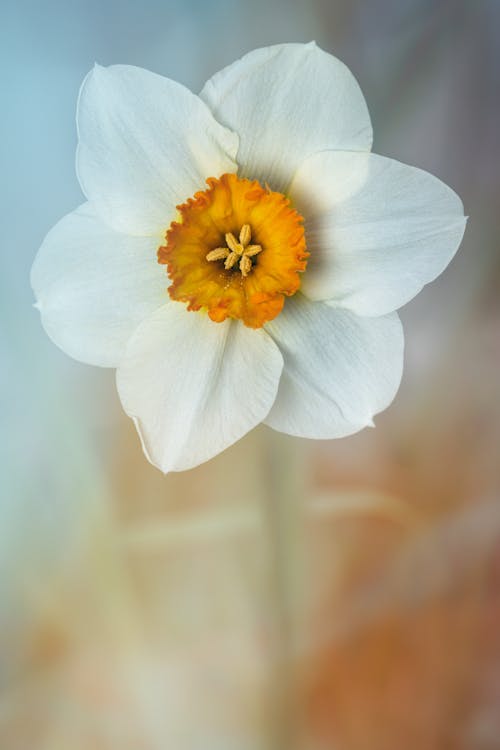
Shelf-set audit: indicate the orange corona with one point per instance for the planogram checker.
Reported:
(236, 251)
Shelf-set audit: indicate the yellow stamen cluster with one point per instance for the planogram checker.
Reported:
(235, 251)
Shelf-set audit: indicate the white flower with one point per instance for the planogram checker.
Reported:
(294, 198)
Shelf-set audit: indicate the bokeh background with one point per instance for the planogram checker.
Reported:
(338, 595)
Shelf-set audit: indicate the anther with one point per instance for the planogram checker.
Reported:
(245, 234)
(230, 261)
(245, 265)
(231, 242)
(218, 254)
(252, 250)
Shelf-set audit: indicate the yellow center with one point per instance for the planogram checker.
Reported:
(236, 251)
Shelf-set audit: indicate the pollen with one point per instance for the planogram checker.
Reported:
(236, 251)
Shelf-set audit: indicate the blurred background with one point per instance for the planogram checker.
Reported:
(337, 595)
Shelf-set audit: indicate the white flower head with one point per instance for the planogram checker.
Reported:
(242, 253)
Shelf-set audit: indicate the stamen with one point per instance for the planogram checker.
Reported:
(218, 254)
(236, 251)
(245, 234)
(231, 259)
(252, 250)
(245, 265)
(232, 242)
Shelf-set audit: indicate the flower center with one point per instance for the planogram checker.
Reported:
(240, 252)
(236, 251)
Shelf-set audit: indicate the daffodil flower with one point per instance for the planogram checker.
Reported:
(242, 253)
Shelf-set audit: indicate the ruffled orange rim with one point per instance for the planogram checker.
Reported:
(205, 220)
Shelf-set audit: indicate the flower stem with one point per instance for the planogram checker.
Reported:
(282, 513)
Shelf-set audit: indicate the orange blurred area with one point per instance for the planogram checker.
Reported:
(405, 650)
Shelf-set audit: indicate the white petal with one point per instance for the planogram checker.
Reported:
(94, 286)
(146, 144)
(194, 387)
(286, 102)
(339, 370)
(377, 230)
